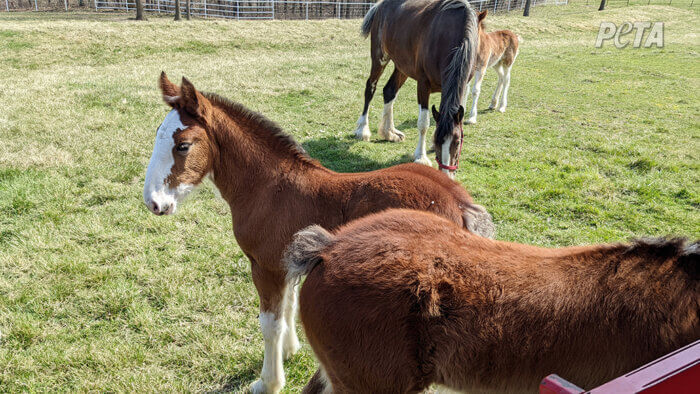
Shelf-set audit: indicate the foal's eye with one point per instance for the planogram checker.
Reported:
(183, 147)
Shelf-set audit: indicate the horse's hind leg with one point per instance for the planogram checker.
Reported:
(420, 155)
(386, 127)
(378, 64)
(318, 384)
(499, 87)
(290, 343)
(478, 78)
(506, 85)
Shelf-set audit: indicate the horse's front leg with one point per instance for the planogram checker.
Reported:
(420, 155)
(386, 127)
(271, 289)
(476, 90)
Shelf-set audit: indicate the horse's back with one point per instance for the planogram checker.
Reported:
(410, 185)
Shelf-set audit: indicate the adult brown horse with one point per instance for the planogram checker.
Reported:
(274, 189)
(386, 314)
(435, 43)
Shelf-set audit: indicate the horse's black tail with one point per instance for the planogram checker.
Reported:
(303, 253)
(369, 18)
(459, 69)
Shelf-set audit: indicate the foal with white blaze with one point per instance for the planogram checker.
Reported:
(275, 189)
(497, 49)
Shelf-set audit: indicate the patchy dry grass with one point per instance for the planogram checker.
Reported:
(97, 294)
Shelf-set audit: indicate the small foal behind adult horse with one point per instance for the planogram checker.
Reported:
(274, 189)
(384, 313)
(497, 49)
(435, 43)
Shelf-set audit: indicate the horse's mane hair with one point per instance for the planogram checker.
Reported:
(685, 255)
(264, 127)
(457, 72)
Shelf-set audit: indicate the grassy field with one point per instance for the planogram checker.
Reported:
(98, 294)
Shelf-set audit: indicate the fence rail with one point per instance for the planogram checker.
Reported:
(286, 9)
(252, 9)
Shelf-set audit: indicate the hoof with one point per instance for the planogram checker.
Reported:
(393, 136)
(492, 107)
(259, 387)
(363, 133)
(502, 109)
(424, 160)
(471, 120)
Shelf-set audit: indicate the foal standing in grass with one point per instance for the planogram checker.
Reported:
(435, 43)
(497, 49)
(386, 314)
(274, 189)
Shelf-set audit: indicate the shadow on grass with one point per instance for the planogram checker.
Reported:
(334, 153)
(240, 380)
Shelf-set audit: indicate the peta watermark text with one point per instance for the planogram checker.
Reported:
(621, 36)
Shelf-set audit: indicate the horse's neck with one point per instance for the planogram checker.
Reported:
(244, 165)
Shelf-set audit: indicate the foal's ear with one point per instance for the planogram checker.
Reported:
(436, 114)
(171, 92)
(459, 115)
(191, 99)
(482, 15)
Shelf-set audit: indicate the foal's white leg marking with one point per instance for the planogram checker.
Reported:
(506, 85)
(362, 130)
(499, 86)
(478, 78)
(386, 126)
(291, 341)
(445, 156)
(156, 193)
(421, 156)
(272, 375)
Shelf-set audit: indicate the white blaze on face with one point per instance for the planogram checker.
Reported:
(445, 151)
(157, 195)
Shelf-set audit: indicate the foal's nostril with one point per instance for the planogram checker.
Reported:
(154, 207)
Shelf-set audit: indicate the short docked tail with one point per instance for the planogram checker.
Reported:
(478, 221)
(304, 252)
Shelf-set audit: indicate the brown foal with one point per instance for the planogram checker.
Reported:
(497, 49)
(396, 301)
(274, 189)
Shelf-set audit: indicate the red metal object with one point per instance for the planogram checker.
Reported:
(677, 372)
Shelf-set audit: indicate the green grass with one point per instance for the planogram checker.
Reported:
(97, 294)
